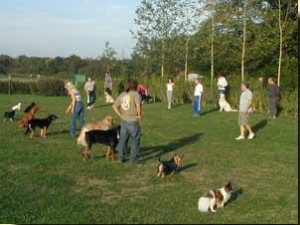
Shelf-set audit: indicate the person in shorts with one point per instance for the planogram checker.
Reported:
(245, 109)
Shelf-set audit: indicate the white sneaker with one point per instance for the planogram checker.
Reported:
(251, 135)
(241, 137)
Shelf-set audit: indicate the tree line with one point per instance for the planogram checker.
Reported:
(242, 38)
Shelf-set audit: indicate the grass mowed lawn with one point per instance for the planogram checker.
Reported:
(45, 180)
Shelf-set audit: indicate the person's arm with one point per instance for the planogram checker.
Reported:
(85, 88)
(72, 105)
(139, 112)
(117, 111)
(249, 103)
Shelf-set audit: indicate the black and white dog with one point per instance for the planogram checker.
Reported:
(11, 115)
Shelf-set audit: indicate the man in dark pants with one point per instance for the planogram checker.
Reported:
(128, 107)
(273, 97)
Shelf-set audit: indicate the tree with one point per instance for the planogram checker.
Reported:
(108, 57)
(244, 40)
(158, 20)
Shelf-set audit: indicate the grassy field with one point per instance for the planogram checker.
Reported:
(45, 181)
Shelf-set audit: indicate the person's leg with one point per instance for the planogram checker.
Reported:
(169, 97)
(199, 108)
(242, 128)
(73, 123)
(135, 134)
(273, 107)
(242, 131)
(81, 116)
(121, 147)
(196, 105)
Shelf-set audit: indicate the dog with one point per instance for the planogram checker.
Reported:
(167, 167)
(27, 117)
(28, 108)
(224, 105)
(213, 199)
(11, 115)
(43, 124)
(108, 137)
(104, 124)
(108, 98)
(17, 107)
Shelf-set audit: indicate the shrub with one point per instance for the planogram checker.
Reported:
(51, 87)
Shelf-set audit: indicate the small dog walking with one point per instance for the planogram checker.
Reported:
(43, 124)
(108, 137)
(167, 167)
(213, 199)
(11, 115)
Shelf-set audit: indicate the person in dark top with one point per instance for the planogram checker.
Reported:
(273, 97)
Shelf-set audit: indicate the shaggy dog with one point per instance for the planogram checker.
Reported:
(167, 167)
(215, 198)
(104, 124)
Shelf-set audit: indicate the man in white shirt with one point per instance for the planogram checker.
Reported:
(197, 97)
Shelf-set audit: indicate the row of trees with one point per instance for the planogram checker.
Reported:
(174, 37)
(254, 37)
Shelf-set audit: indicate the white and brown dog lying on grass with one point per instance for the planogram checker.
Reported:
(224, 105)
(213, 199)
(104, 124)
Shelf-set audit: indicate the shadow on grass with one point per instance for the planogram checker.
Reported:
(259, 125)
(58, 132)
(208, 111)
(235, 195)
(172, 146)
(185, 167)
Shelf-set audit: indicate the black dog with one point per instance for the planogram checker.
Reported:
(9, 115)
(28, 108)
(43, 124)
(108, 137)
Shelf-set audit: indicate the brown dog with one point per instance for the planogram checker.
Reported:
(27, 117)
(104, 124)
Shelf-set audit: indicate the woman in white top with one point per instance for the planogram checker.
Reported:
(75, 107)
(170, 87)
(197, 97)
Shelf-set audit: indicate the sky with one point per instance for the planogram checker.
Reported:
(50, 28)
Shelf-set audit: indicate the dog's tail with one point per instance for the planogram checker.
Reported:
(81, 140)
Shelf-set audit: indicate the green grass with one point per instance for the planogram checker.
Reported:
(45, 181)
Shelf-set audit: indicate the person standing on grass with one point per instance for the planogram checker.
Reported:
(89, 88)
(128, 107)
(75, 107)
(273, 97)
(245, 108)
(108, 83)
(222, 84)
(197, 97)
(170, 87)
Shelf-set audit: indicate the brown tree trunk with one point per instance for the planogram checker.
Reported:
(244, 41)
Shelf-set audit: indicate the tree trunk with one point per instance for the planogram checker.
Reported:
(244, 41)
(186, 59)
(163, 58)
(212, 53)
(280, 43)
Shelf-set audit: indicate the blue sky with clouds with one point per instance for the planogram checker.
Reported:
(64, 27)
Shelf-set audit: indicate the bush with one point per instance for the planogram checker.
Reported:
(51, 87)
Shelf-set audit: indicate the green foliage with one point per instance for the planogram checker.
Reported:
(45, 180)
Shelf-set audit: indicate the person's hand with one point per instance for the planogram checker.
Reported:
(68, 110)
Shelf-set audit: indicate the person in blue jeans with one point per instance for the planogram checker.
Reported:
(75, 107)
(197, 97)
(128, 107)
